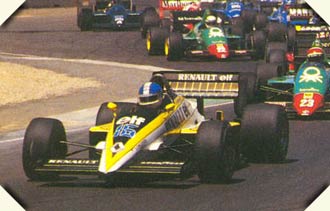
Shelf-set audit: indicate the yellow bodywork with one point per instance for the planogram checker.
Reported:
(110, 159)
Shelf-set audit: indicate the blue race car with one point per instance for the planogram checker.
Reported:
(294, 14)
(119, 14)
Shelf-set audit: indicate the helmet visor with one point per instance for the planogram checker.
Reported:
(150, 99)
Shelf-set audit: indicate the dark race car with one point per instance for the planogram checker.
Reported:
(109, 14)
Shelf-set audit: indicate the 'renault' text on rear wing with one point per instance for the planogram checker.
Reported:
(200, 85)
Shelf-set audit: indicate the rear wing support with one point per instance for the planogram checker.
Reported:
(201, 84)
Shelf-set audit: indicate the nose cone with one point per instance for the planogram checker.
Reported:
(220, 51)
(306, 104)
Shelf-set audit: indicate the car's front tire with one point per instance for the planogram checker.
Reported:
(215, 153)
(42, 142)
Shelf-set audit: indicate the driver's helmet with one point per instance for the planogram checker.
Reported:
(111, 3)
(150, 95)
(210, 20)
(315, 54)
(317, 43)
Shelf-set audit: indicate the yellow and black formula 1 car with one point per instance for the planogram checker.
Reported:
(177, 141)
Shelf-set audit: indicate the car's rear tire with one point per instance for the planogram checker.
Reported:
(42, 142)
(276, 32)
(259, 44)
(266, 71)
(264, 133)
(275, 45)
(292, 34)
(174, 47)
(149, 18)
(277, 56)
(260, 21)
(215, 153)
(237, 27)
(156, 40)
(249, 18)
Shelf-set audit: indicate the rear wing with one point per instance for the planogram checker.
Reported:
(301, 12)
(198, 84)
(180, 18)
(306, 35)
(165, 6)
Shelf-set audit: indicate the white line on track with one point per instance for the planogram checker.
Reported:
(149, 68)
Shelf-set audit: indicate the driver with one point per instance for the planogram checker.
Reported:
(316, 54)
(210, 21)
(150, 95)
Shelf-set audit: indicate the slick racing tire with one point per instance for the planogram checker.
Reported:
(248, 17)
(104, 116)
(237, 27)
(42, 142)
(276, 32)
(258, 44)
(291, 33)
(174, 47)
(267, 71)
(156, 40)
(85, 19)
(215, 152)
(149, 18)
(264, 133)
(242, 100)
(261, 21)
(277, 56)
(274, 45)
(246, 93)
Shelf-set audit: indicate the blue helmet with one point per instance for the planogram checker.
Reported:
(150, 94)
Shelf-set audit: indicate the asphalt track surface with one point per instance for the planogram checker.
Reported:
(292, 185)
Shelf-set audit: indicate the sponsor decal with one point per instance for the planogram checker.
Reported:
(240, 51)
(78, 162)
(198, 18)
(323, 35)
(205, 77)
(170, 4)
(127, 126)
(130, 120)
(178, 117)
(301, 12)
(307, 100)
(311, 28)
(311, 74)
(215, 32)
(221, 48)
(161, 163)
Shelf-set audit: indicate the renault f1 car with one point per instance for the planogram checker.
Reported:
(176, 141)
(111, 14)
